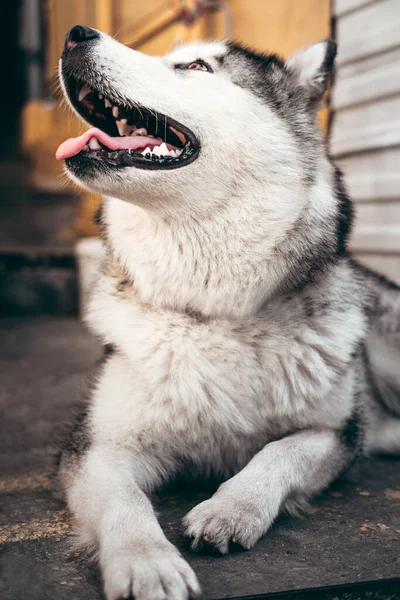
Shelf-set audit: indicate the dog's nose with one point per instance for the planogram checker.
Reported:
(79, 34)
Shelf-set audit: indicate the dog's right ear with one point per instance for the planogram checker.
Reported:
(312, 66)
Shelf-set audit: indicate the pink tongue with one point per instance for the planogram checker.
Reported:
(73, 146)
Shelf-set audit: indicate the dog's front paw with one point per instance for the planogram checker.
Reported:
(158, 574)
(223, 519)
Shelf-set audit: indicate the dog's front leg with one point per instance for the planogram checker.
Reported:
(284, 474)
(114, 513)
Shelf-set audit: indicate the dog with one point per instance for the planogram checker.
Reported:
(243, 340)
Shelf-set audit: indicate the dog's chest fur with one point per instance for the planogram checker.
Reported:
(214, 390)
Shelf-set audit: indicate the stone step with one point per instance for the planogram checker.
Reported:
(35, 217)
(14, 173)
(38, 280)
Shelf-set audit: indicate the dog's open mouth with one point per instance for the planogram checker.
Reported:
(124, 136)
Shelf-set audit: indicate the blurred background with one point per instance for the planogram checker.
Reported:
(42, 217)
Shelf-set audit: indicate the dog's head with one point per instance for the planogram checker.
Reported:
(190, 129)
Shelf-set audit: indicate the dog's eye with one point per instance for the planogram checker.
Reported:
(196, 65)
(199, 65)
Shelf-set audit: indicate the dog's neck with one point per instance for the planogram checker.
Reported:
(195, 267)
(224, 266)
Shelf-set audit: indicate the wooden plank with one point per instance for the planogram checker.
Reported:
(341, 7)
(378, 214)
(137, 34)
(281, 26)
(371, 238)
(372, 175)
(366, 80)
(159, 29)
(375, 28)
(386, 264)
(369, 126)
(104, 15)
(130, 14)
(377, 228)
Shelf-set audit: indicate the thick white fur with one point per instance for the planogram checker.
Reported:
(306, 63)
(222, 376)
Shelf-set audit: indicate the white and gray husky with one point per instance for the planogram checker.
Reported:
(244, 341)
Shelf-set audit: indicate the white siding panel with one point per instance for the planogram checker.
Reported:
(340, 7)
(374, 28)
(366, 127)
(369, 79)
(387, 264)
(377, 227)
(372, 175)
(374, 238)
(365, 134)
(378, 214)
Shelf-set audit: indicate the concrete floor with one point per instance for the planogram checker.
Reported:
(352, 534)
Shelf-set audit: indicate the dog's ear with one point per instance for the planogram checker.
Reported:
(312, 67)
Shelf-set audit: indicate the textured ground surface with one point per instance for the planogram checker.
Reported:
(352, 535)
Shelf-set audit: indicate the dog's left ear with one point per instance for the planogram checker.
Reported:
(313, 66)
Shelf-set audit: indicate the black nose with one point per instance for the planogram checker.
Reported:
(79, 34)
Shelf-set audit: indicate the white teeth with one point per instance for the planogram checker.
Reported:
(101, 96)
(94, 144)
(107, 103)
(176, 153)
(115, 111)
(162, 150)
(123, 127)
(141, 131)
(84, 92)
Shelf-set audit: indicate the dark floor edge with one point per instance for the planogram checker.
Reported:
(384, 589)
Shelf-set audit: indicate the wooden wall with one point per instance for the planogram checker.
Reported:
(281, 26)
(366, 125)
